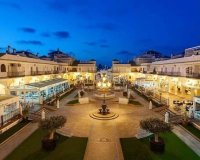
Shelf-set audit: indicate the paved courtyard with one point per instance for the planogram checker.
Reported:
(103, 135)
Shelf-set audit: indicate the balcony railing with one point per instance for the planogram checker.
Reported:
(193, 75)
(16, 74)
(169, 73)
(46, 72)
(33, 73)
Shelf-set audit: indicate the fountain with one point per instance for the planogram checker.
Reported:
(104, 86)
(103, 92)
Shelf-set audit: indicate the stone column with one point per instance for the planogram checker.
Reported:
(58, 103)
(43, 114)
(129, 94)
(150, 105)
(20, 110)
(167, 117)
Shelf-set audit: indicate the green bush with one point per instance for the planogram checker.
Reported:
(134, 102)
(73, 101)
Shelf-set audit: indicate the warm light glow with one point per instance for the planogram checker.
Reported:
(104, 85)
(99, 84)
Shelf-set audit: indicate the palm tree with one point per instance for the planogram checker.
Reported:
(52, 124)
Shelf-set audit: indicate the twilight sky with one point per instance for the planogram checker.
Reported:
(100, 29)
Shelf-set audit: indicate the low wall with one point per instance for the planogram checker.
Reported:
(117, 87)
(83, 100)
(10, 126)
(123, 100)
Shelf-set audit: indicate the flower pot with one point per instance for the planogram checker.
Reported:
(48, 144)
(157, 146)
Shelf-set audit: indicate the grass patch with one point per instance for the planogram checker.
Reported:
(134, 102)
(12, 130)
(193, 130)
(67, 93)
(75, 101)
(67, 148)
(175, 149)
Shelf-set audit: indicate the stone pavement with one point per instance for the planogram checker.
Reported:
(8, 146)
(192, 142)
(103, 136)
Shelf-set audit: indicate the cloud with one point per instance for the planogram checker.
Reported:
(31, 42)
(104, 46)
(103, 26)
(62, 34)
(28, 30)
(45, 34)
(10, 4)
(91, 43)
(125, 53)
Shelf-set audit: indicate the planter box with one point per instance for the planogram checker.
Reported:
(84, 100)
(123, 100)
(10, 125)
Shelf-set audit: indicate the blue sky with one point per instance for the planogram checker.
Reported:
(102, 30)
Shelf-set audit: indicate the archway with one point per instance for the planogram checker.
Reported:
(3, 68)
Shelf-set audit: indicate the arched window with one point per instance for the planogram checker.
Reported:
(3, 68)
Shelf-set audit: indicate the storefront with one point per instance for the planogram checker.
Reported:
(9, 108)
(196, 107)
(36, 93)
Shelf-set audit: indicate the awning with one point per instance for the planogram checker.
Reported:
(49, 83)
(38, 86)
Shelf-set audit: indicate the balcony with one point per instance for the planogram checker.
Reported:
(169, 73)
(193, 75)
(34, 73)
(16, 74)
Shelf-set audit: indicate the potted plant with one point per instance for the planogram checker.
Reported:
(155, 126)
(81, 93)
(125, 94)
(51, 124)
(25, 112)
(185, 120)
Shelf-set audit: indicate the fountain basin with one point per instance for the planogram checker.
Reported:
(106, 95)
(109, 116)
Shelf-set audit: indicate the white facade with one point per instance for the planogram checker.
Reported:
(184, 67)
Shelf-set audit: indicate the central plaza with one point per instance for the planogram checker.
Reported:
(102, 109)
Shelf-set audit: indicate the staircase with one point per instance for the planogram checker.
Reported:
(36, 116)
(173, 117)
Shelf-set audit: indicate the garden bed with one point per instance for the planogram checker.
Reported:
(75, 101)
(192, 130)
(175, 149)
(12, 130)
(72, 148)
(134, 102)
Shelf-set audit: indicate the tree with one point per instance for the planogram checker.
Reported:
(156, 126)
(26, 111)
(53, 123)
